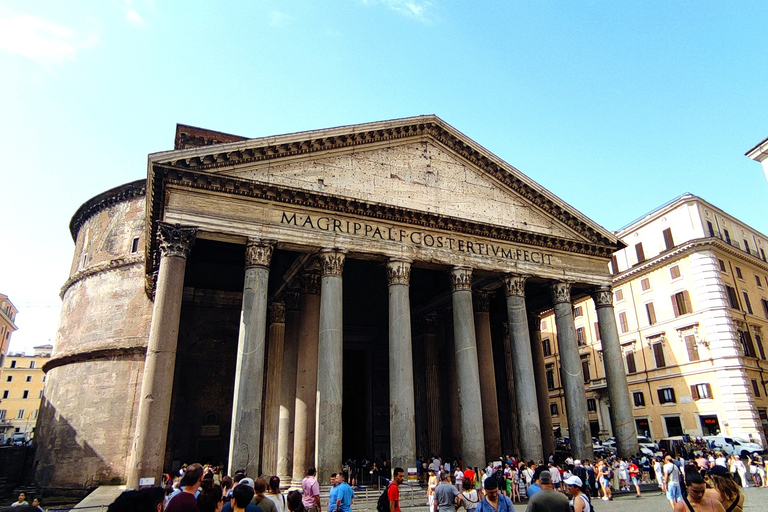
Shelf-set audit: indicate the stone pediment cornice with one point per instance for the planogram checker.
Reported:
(253, 151)
(683, 250)
(105, 200)
(164, 176)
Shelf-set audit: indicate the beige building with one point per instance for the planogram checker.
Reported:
(21, 390)
(691, 305)
(7, 326)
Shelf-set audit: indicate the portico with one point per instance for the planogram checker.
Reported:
(396, 251)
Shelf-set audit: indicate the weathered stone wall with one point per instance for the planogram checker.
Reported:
(93, 379)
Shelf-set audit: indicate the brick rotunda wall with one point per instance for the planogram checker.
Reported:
(94, 377)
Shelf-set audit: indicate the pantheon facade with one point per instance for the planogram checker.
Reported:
(293, 301)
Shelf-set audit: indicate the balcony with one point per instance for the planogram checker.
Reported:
(734, 243)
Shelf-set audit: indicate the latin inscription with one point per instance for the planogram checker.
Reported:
(392, 234)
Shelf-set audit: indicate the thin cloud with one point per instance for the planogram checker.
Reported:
(46, 43)
(132, 16)
(418, 10)
(278, 19)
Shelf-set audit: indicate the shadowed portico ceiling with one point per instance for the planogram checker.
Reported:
(219, 167)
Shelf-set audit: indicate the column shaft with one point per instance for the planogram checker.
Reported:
(272, 385)
(509, 368)
(434, 419)
(491, 426)
(622, 419)
(288, 388)
(525, 390)
(306, 378)
(401, 400)
(154, 412)
(573, 380)
(542, 391)
(330, 365)
(467, 371)
(247, 407)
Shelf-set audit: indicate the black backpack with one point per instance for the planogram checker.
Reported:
(382, 504)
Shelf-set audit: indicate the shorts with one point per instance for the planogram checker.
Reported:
(674, 493)
(606, 482)
(634, 480)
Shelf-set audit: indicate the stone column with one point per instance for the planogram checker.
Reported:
(542, 392)
(402, 410)
(622, 419)
(525, 389)
(434, 418)
(467, 372)
(245, 437)
(306, 377)
(272, 385)
(330, 365)
(288, 387)
(491, 426)
(154, 413)
(573, 380)
(514, 427)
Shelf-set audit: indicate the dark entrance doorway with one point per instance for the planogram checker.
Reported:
(643, 428)
(674, 426)
(710, 426)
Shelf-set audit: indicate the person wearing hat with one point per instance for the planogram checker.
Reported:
(580, 501)
(723, 489)
(493, 501)
(547, 499)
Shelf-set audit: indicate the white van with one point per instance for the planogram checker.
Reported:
(731, 445)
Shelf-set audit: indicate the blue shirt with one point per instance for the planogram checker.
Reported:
(332, 498)
(344, 493)
(533, 489)
(505, 505)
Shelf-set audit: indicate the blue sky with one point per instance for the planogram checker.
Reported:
(614, 106)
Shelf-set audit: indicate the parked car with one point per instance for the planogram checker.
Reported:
(731, 445)
(18, 439)
(646, 445)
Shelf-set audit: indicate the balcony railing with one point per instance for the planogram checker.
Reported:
(734, 243)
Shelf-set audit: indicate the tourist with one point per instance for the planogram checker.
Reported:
(696, 500)
(493, 501)
(186, 500)
(274, 494)
(295, 502)
(393, 490)
(310, 490)
(259, 499)
(344, 494)
(580, 501)
(38, 504)
(606, 480)
(145, 500)
(548, 499)
(447, 496)
(458, 477)
(210, 498)
(723, 489)
(470, 497)
(431, 486)
(634, 476)
(672, 482)
(21, 500)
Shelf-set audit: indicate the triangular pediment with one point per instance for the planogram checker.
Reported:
(419, 164)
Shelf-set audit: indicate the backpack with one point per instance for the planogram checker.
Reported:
(382, 504)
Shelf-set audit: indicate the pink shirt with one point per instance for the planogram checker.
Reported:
(309, 488)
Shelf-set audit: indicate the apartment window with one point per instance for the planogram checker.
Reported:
(722, 266)
(681, 303)
(577, 312)
(658, 355)
(755, 388)
(745, 339)
(701, 391)
(40, 394)
(629, 357)
(733, 299)
(765, 307)
(738, 273)
(693, 348)
(585, 370)
(651, 312)
(5, 393)
(29, 378)
(543, 325)
(553, 409)
(581, 336)
(31, 364)
(25, 394)
(9, 378)
(645, 284)
(618, 295)
(746, 302)
(591, 405)
(83, 261)
(13, 364)
(135, 245)
(614, 265)
(623, 325)
(547, 346)
(759, 343)
(674, 272)
(758, 281)
(727, 236)
(34, 414)
(3, 412)
(639, 398)
(639, 252)
(746, 245)
(666, 396)
(762, 253)
(710, 229)
(20, 415)
(668, 243)
(550, 376)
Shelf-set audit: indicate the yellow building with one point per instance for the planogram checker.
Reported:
(691, 305)
(7, 326)
(21, 389)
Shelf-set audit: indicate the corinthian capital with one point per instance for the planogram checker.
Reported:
(482, 301)
(603, 298)
(514, 285)
(258, 253)
(461, 278)
(561, 292)
(398, 271)
(277, 313)
(331, 261)
(175, 239)
(310, 282)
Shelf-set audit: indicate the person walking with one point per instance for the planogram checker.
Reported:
(493, 501)
(548, 499)
(580, 501)
(393, 490)
(447, 497)
(696, 501)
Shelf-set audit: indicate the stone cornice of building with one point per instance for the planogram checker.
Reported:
(103, 201)
(684, 249)
(759, 152)
(225, 156)
(98, 269)
(94, 355)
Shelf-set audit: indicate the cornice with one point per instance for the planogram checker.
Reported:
(683, 249)
(103, 201)
(93, 355)
(98, 269)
